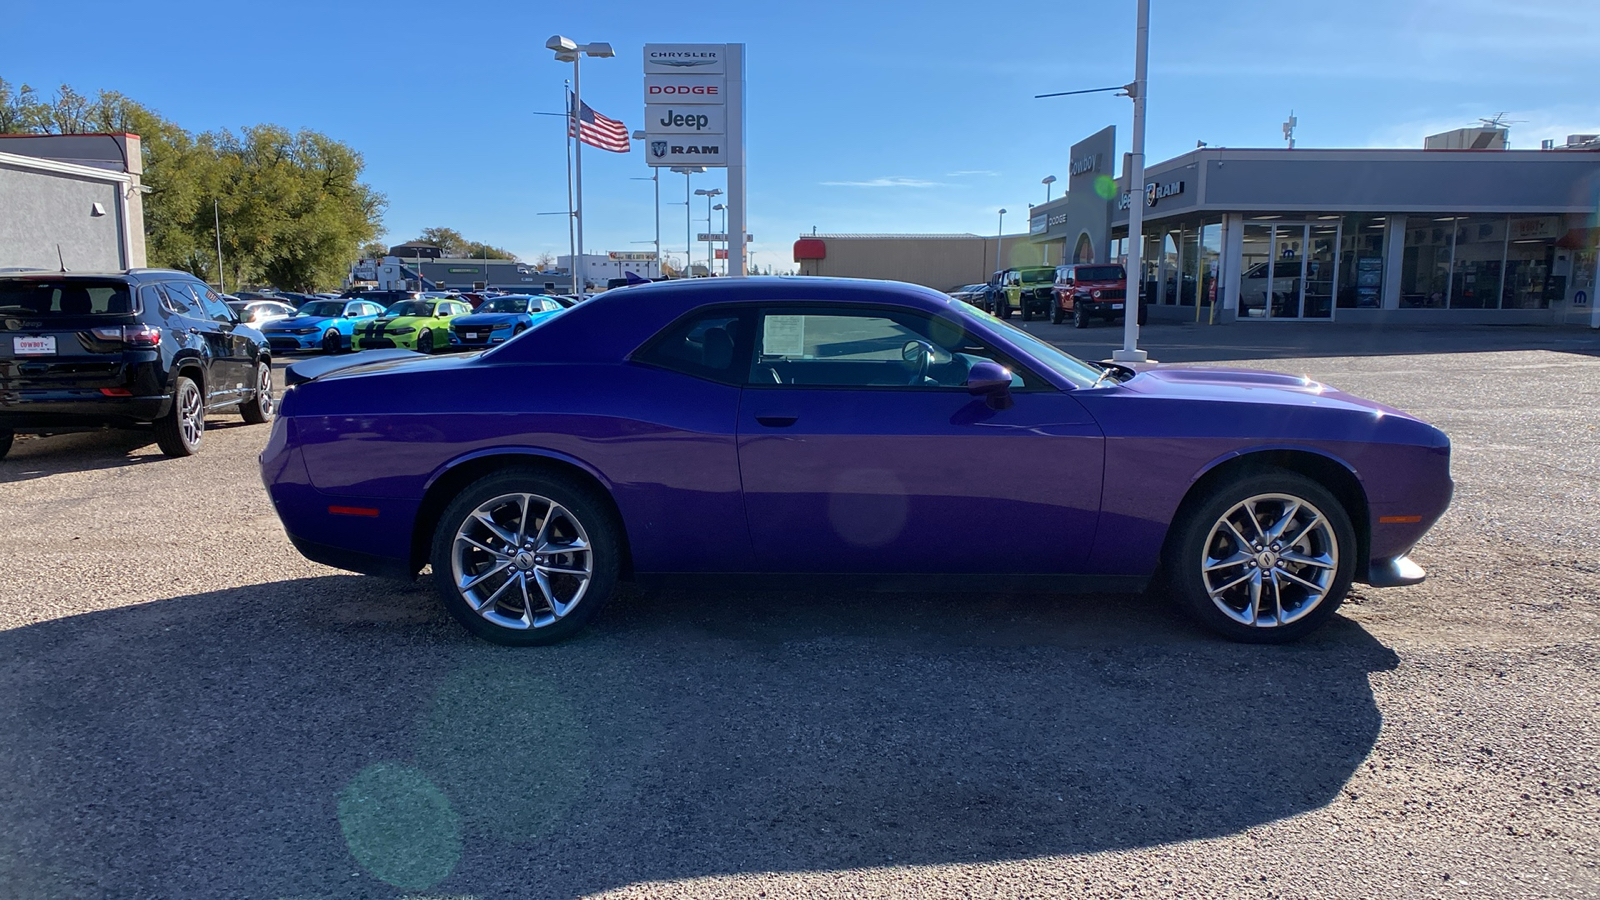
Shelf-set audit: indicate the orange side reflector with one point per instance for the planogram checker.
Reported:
(364, 511)
(1398, 520)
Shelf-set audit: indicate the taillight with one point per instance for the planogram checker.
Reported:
(141, 336)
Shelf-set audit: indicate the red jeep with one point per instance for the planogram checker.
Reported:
(1085, 292)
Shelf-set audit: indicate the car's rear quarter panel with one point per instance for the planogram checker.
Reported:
(661, 443)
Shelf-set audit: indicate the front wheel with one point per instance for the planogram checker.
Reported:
(1265, 558)
(1080, 317)
(261, 407)
(425, 342)
(521, 557)
(1056, 315)
(332, 342)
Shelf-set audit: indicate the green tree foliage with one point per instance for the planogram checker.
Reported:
(455, 246)
(294, 212)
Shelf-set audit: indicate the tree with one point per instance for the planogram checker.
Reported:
(374, 250)
(293, 209)
(545, 261)
(455, 246)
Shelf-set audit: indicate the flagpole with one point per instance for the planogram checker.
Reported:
(577, 168)
(566, 93)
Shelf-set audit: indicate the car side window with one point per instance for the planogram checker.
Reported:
(151, 299)
(866, 349)
(212, 303)
(179, 298)
(712, 346)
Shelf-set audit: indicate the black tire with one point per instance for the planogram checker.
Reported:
(1144, 313)
(1005, 307)
(1188, 550)
(519, 329)
(1056, 315)
(332, 342)
(1080, 317)
(180, 431)
(588, 510)
(7, 438)
(425, 342)
(263, 405)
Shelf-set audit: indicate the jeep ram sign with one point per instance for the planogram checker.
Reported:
(1154, 192)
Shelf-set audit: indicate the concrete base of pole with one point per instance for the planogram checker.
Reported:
(1131, 356)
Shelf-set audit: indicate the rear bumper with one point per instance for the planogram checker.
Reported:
(35, 412)
(1397, 571)
(351, 560)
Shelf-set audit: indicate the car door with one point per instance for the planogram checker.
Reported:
(854, 459)
(241, 346)
(200, 333)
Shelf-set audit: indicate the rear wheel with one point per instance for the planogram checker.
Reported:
(521, 557)
(262, 406)
(1005, 307)
(179, 432)
(332, 342)
(1265, 558)
(425, 342)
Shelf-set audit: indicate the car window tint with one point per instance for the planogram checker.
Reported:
(712, 346)
(179, 298)
(865, 349)
(212, 303)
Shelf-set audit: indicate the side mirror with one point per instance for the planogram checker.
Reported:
(992, 382)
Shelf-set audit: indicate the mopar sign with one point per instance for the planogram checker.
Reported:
(1153, 193)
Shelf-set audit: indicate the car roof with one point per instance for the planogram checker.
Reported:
(608, 326)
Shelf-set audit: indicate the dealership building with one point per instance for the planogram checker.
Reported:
(1468, 236)
(71, 200)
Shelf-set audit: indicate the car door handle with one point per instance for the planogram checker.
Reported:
(777, 421)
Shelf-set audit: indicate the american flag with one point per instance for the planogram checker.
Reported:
(598, 131)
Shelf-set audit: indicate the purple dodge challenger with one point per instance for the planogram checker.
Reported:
(822, 427)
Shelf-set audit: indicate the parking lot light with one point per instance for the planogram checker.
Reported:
(568, 50)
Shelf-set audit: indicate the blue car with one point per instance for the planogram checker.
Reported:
(324, 324)
(500, 319)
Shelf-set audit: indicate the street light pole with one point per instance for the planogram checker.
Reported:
(1048, 181)
(568, 50)
(216, 215)
(708, 193)
(1130, 351)
(1000, 242)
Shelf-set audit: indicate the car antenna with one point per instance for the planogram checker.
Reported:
(62, 259)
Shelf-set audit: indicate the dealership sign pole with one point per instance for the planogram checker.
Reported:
(694, 116)
(1130, 351)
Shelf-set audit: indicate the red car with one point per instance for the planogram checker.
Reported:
(1084, 292)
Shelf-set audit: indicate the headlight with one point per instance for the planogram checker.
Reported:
(407, 329)
(1095, 294)
(311, 330)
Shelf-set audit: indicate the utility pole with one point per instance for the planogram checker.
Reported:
(1130, 351)
(216, 215)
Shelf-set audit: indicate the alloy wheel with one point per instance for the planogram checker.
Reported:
(521, 561)
(1270, 560)
(265, 400)
(191, 414)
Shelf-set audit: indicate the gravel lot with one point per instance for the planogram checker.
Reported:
(189, 709)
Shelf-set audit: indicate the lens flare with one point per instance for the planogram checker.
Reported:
(1105, 187)
(399, 826)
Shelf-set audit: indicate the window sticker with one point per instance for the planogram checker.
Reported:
(784, 336)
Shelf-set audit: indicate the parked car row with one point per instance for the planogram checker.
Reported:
(1080, 292)
(422, 322)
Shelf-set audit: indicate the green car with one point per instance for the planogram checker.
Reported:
(1029, 290)
(421, 325)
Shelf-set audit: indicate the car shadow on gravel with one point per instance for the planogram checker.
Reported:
(339, 736)
(39, 456)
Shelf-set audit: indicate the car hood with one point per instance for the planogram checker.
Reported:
(481, 319)
(288, 322)
(401, 321)
(1249, 386)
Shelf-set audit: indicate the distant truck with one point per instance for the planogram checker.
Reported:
(1026, 290)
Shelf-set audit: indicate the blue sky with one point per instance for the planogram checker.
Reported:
(863, 117)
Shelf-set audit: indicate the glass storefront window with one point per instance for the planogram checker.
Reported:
(1425, 261)
(1530, 256)
(1361, 262)
(1167, 255)
(1189, 260)
(1321, 253)
(1253, 271)
(1210, 258)
(1480, 245)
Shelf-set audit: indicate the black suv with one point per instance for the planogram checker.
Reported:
(125, 350)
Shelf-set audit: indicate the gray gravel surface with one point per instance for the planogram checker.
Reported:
(189, 709)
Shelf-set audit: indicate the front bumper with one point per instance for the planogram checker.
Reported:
(385, 341)
(1394, 572)
(280, 341)
(481, 337)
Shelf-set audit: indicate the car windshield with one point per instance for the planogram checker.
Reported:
(323, 308)
(62, 298)
(1075, 370)
(410, 308)
(505, 305)
(1034, 276)
(1101, 273)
